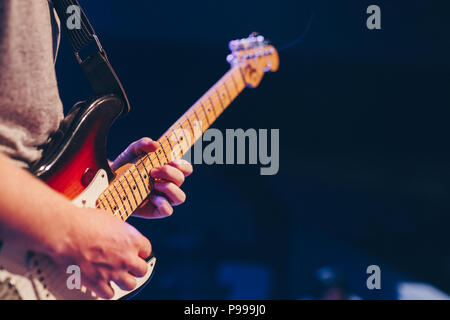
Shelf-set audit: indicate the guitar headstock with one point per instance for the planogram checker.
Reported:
(255, 56)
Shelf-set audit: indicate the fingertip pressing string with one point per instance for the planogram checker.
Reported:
(300, 39)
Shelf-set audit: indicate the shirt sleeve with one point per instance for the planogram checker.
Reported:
(30, 106)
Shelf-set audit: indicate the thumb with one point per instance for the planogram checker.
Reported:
(137, 148)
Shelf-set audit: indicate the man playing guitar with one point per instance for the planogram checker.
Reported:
(33, 215)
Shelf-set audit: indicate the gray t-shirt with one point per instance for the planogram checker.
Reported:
(30, 106)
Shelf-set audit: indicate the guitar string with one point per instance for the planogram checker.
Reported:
(202, 116)
(221, 83)
(140, 184)
(193, 111)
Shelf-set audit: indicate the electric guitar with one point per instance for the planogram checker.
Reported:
(75, 164)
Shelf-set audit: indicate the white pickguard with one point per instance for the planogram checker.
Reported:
(32, 276)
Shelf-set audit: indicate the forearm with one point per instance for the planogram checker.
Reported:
(31, 213)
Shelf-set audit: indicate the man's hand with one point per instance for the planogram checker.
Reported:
(104, 247)
(169, 178)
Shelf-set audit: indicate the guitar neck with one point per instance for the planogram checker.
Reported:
(132, 184)
(181, 136)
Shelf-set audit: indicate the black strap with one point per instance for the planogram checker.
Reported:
(84, 41)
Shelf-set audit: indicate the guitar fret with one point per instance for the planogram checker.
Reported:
(170, 144)
(202, 127)
(234, 83)
(164, 151)
(159, 160)
(191, 129)
(212, 107)
(142, 179)
(150, 159)
(185, 137)
(137, 185)
(206, 114)
(149, 177)
(208, 105)
(125, 196)
(145, 168)
(168, 151)
(171, 151)
(101, 203)
(219, 98)
(241, 77)
(178, 142)
(228, 93)
(117, 206)
(222, 92)
(131, 189)
(109, 204)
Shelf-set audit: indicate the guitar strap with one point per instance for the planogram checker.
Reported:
(88, 50)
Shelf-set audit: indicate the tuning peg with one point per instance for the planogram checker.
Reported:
(234, 45)
(244, 43)
(231, 59)
(255, 40)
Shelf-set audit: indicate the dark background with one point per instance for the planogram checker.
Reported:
(364, 153)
